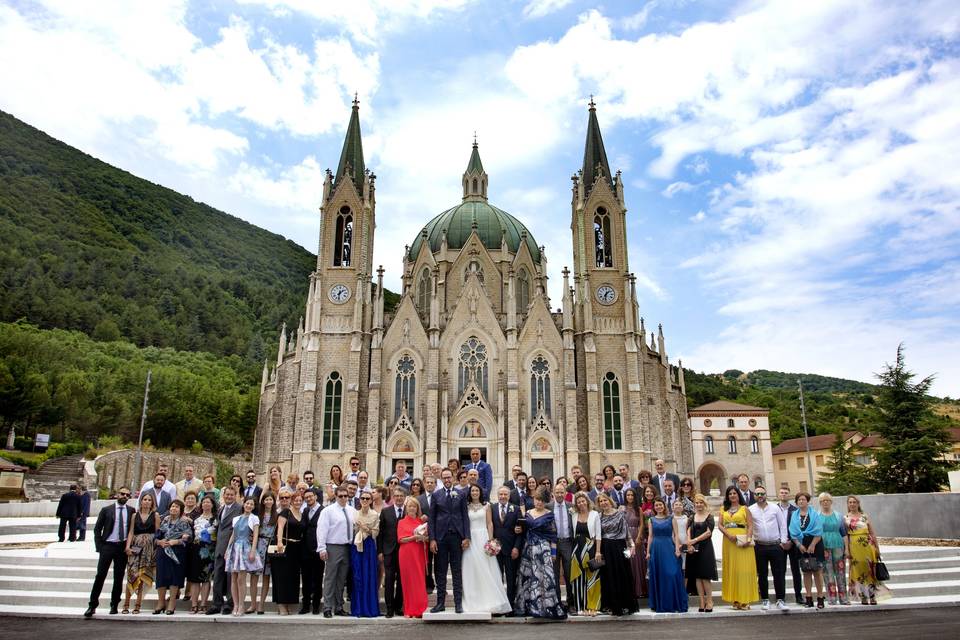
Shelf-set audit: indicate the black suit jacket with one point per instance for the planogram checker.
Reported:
(448, 513)
(106, 520)
(69, 506)
(387, 537)
(424, 506)
(504, 530)
(527, 499)
(655, 481)
(257, 492)
(747, 498)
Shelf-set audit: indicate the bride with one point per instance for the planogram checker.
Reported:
(482, 589)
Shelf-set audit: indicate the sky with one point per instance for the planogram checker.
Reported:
(791, 168)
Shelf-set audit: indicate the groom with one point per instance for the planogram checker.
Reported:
(449, 537)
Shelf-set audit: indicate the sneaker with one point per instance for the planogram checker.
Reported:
(782, 606)
(766, 605)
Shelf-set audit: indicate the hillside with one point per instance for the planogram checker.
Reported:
(90, 247)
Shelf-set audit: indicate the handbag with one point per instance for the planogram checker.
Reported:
(743, 540)
(595, 563)
(880, 571)
(808, 563)
(136, 550)
(272, 551)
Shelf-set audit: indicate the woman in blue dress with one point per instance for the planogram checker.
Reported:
(173, 536)
(538, 592)
(364, 595)
(267, 537)
(668, 594)
(241, 557)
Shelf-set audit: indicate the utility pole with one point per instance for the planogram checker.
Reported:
(143, 420)
(806, 436)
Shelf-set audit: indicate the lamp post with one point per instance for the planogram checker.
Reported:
(806, 437)
(143, 420)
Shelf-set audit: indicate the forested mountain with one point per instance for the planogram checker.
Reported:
(90, 247)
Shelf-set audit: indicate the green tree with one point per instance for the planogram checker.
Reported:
(845, 475)
(911, 458)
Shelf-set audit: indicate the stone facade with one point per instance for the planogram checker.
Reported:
(729, 439)
(473, 355)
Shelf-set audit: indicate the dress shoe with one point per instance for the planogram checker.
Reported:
(89, 612)
(438, 608)
(227, 611)
(305, 609)
(327, 614)
(389, 614)
(458, 608)
(213, 611)
(113, 610)
(341, 613)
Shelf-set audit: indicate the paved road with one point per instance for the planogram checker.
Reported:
(894, 624)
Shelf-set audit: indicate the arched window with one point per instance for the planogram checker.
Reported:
(708, 444)
(473, 267)
(612, 432)
(332, 401)
(423, 294)
(406, 388)
(343, 241)
(602, 239)
(731, 445)
(523, 290)
(539, 387)
(754, 444)
(475, 190)
(473, 365)
(730, 423)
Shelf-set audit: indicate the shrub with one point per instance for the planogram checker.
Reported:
(223, 471)
(196, 448)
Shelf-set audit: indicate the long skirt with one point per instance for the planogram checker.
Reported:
(364, 597)
(142, 566)
(616, 579)
(538, 592)
(285, 570)
(584, 583)
(638, 565)
(835, 575)
(863, 580)
(171, 572)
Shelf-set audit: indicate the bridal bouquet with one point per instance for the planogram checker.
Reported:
(492, 547)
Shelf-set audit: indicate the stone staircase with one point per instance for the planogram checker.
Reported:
(53, 478)
(50, 585)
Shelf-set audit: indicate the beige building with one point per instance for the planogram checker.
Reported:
(474, 354)
(730, 439)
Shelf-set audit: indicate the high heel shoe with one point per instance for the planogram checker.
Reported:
(820, 603)
(808, 603)
(157, 612)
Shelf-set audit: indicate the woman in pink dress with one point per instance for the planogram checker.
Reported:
(413, 560)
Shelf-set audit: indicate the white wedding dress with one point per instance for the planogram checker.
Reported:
(483, 591)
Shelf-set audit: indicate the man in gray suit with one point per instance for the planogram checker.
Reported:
(221, 580)
(660, 476)
(564, 523)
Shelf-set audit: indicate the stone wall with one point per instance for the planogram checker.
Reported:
(117, 468)
(909, 515)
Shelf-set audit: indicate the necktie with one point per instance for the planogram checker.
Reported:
(448, 493)
(120, 513)
(349, 528)
(399, 513)
(503, 513)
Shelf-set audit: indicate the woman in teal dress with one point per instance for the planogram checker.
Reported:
(538, 592)
(834, 551)
(668, 593)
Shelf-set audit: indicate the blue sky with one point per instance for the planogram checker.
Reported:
(791, 167)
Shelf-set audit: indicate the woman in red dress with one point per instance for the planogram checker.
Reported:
(413, 560)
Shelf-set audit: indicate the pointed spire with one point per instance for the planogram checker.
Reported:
(594, 154)
(266, 376)
(475, 178)
(351, 157)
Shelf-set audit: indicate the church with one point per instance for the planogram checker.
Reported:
(473, 356)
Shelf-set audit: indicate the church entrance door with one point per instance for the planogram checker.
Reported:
(542, 467)
(472, 434)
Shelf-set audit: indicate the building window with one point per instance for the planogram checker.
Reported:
(473, 267)
(473, 365)
(819, 460)
(803, 485)
(731, 445)
(800, 463)
(332, 400)
(523, 290)
(602, 238)
(730, 423)
(612, 432)
(782, 464)
(343, 241)
(405, 392)
(865, 458)
(423, 294)
(539, 387)
(754, 444)
(708, 444)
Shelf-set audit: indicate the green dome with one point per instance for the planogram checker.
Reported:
(491, 224)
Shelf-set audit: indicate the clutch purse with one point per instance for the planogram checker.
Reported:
(595, 563)
(742, 540)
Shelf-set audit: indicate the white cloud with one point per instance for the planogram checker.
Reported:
(699, 216)
(680, 186)
(639, 19)
(541, 8)
(698, 165)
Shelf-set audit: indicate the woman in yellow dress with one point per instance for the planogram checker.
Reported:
(739, 563)
(864, 552)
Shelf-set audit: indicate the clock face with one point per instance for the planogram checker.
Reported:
(339, 293)
(606, 294)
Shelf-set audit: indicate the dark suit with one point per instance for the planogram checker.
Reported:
(425, 506)
(256, 493)
(312, 566)
(527, 499)
(110, 552)
(503, 531)
(161, 500)
(793, 555)
(387, 545)
(655, 481)
(617, 495)
(449, 526)
(510, 484)
(83, 515)
(485, 477)
(746, 497)
(68, 510)
(221, 588)
(564, 557)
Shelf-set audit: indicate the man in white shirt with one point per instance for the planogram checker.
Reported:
(564, 523)
(770, 540)
(669, 496)
(661, 476)
(363, 482)
(628, 482)
(334, 537)
(168, 487)
(189, 483)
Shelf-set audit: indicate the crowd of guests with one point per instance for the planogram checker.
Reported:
(534, 547)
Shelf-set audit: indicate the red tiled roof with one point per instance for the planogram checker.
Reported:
(726, 405)
(869, 441)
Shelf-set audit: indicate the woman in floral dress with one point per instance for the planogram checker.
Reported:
(835, 551)
(268, 530)
(202, 554)
(864, 552)
(538, 594)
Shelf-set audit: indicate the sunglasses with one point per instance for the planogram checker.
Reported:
(354, 464)
(364, 498)
(124, 495)
(341, 495)
(759, 494)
